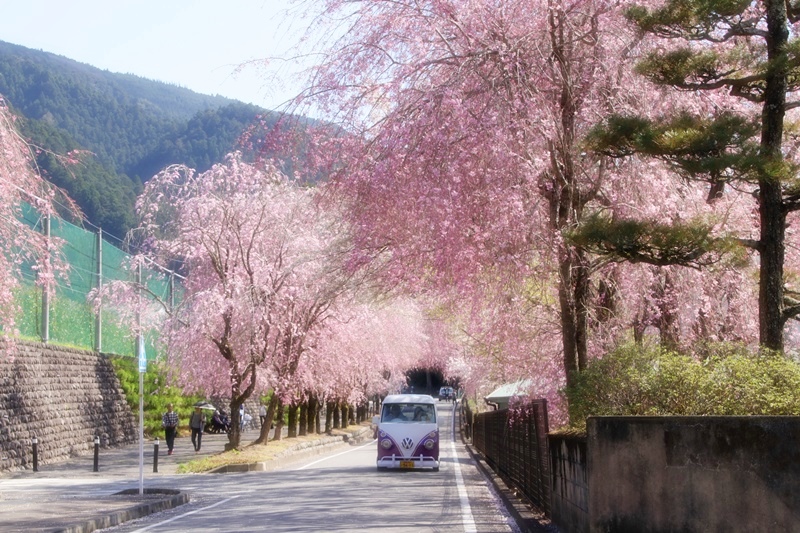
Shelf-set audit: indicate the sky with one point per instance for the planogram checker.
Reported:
(208, 46)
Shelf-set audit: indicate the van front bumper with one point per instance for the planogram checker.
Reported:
(398, 461)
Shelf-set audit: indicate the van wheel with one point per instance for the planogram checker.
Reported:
(435, 468)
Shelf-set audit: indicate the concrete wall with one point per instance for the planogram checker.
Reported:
(702, 474)
(569, 490)
(62, 396)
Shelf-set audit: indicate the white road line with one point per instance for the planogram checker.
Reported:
(466, 511)
(185, 515)
(372, 443)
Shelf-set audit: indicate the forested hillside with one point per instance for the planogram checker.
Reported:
(132, 127)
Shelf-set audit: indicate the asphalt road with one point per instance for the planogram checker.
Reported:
(342, 491)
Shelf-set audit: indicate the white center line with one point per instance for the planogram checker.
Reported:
(185, 515)
(466, 511)
(372, 443)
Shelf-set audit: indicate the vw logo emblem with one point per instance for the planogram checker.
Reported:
(407, 443)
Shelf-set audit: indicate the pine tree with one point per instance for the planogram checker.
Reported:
(740, 62)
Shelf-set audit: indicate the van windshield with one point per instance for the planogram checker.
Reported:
(408, 412)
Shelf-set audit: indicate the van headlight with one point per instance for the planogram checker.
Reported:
(386, 444)
(429, 444)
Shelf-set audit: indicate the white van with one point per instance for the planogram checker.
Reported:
(408, 433)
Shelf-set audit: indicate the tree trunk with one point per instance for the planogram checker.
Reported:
(567, 201)
(313, 412)
(303, 431)
(292, 433)
(238, 395)
(335, 407)
(772, 216)
(272, 406)
(573, 297)
(329, 410)
(234, 437)
(770, 286)
(317, 421)
(279, 423)
(667, 319)
(639, 326)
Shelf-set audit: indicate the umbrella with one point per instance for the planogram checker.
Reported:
(205, 405)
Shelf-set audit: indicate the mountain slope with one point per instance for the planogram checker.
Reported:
(131, 125)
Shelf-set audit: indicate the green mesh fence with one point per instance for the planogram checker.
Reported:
(72, 321)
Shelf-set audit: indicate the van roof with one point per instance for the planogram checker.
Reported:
(409, 398)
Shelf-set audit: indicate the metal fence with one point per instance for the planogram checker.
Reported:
(514, 444)
(66, 316)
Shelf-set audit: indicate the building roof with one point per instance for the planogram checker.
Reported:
(504, 392)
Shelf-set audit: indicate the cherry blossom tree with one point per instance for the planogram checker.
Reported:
(465, 161)
(255, 253)
(462, 154)
(366, 350)
(22, 244)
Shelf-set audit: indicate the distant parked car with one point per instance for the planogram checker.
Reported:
(447, 394)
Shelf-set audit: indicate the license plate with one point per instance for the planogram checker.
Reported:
(406, 464)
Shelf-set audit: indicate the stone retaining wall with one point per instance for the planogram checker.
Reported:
(705, 473)
(63, 397)
(569, 494)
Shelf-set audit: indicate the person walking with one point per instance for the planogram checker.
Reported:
(169, 421)
(197, 422)
(262, 414)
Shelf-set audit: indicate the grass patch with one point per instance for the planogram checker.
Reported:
(258, 453)
(252, 453)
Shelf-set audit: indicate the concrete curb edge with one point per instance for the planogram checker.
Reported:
(528, 520)
(125, 515)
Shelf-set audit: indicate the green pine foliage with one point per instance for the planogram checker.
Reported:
(726, 380)
(739, 59)
(644, 241)
(698, 148)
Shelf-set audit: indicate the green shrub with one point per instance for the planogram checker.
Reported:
(725, 380)
(157, 393)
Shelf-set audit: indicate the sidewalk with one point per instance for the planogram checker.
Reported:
(70, 497)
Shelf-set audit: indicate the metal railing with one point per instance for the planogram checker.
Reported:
(514, 444)
(64, 315)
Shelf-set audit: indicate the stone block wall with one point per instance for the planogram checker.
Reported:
(702, 473)
(63, 397)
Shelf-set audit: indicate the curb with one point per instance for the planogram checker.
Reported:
(118, 517)
(528, 520)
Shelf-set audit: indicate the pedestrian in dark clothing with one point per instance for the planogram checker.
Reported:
(169, 421)
(197, 422)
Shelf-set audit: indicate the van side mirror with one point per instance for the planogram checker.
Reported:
(376, 420)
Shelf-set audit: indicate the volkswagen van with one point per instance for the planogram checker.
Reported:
(408, 433)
